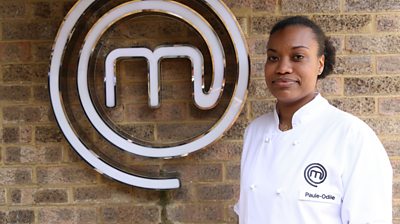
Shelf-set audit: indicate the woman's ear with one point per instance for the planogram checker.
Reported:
(321, 61)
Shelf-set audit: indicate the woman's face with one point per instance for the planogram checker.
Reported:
(293, 65)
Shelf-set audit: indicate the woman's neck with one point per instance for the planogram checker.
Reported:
(287, 110)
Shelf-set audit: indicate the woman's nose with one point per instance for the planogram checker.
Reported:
(284, 66)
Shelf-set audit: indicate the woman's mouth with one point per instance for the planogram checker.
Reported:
(284, 82)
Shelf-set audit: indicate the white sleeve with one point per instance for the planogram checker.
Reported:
(367, 182)
(236, 207)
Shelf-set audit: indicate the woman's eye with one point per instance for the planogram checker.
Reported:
(298, 57)
(272, 58)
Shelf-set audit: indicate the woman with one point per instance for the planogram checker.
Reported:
(308, 162)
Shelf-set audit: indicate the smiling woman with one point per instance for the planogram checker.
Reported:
(307, 161)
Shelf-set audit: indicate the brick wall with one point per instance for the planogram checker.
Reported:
(43, 181)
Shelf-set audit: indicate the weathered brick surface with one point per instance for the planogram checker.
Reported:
(389, 106)
(209, 212)
(355, 65)
(12, 176)
(371, 5)
(196, 173)
(50, 196)
(392, 146)
(103, 194)
(388, 23)
(15, 114)
(68, 215)
(43, 181)
(388, 64)
(47, 134)
(343, 23)
(357, 106)
(131, 214)
(15, 93)
(384, 126)
(15, 51)
(258, 89)
(25, 154)
(216, 192)
(262, 24)
(314, 6)
(12, 9)
(330, 86)
(372, 86)
(378, 44)
(233, 172)
(29, 30)
(25, 73)
(2, 196)
(66, 175)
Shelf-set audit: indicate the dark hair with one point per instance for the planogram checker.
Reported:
(325, 46)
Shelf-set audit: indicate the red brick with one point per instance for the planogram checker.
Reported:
(220, 151)
(204, 213)
(258, 90)
(264, 5)
(167, 112)
(2, 196)
(216, 192)
(182, 194)
(15, 52)
(10, 176)
(21, 216)
(25, 73)
(50, 196)
(14, 114)
(232, 172)
(30, 30)
(15, 93)
(68, 215)
(46, 134)
(196, 172)
(132, 214)
(66, 175)
(12, 9)
(103, 194)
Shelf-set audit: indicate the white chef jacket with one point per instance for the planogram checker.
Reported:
(330, 168)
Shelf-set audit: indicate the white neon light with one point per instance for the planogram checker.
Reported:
(212, 96)
(188, 15)
(55, 97)
(153, 59)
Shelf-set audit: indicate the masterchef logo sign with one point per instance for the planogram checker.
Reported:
(101, 47)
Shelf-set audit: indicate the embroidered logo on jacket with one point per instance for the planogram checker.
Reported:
(315, 174)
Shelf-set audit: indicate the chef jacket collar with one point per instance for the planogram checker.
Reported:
(306, 113)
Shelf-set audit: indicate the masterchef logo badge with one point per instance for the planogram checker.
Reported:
(100, 49)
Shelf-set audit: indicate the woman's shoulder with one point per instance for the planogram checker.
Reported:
(348, 120)
(262, 121)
